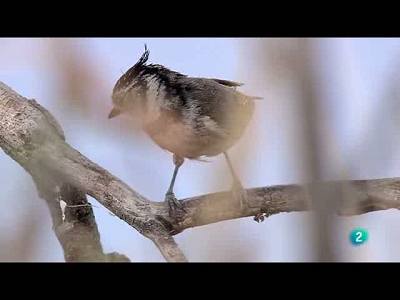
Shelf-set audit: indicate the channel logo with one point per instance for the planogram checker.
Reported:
(358, 236)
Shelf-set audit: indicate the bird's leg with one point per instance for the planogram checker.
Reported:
(236, 181)
(237, 187)
(238, 191)
(175, 206)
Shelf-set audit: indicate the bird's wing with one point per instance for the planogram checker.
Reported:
(219, 109)
(227, 82)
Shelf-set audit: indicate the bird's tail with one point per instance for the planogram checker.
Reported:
(255, 98)
(250, 97)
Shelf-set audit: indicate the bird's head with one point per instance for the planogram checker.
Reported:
(130, 90)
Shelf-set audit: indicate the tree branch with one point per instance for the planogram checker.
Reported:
(75, 227)
(34, 139)
(363, 196)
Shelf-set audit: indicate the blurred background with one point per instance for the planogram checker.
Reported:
(331, 110)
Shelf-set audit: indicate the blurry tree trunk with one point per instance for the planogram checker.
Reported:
(324, 197)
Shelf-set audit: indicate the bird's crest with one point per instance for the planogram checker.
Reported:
(134, 71)
(143, 59)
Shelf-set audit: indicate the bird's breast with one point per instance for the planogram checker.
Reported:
(192, 137)
(170, 133)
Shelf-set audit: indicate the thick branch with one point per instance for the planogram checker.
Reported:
(363, 196)
(75, 227)
(32, 137)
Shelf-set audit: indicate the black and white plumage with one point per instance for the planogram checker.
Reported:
(190, 117)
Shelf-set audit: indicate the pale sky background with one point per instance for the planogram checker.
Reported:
(361, 111)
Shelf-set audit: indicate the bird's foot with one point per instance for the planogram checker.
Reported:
(260, 217)
(240, 195)
(176, 208)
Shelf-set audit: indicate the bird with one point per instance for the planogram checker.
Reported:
(191, 117)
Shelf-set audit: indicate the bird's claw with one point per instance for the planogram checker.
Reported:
(259, 217)
(176, 208)
(239, 194)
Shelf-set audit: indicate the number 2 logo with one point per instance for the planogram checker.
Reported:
(358, 236)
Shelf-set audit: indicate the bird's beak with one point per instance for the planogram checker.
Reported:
(114, 112)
